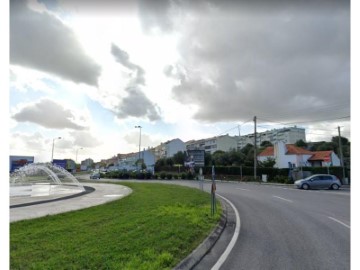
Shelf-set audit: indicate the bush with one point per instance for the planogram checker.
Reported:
(280, 179)
(169, 176)
(190, 176)
(162, 175)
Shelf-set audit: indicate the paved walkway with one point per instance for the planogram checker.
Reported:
(103, 193)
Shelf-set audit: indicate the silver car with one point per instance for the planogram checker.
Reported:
(95, 175)
(319, 181)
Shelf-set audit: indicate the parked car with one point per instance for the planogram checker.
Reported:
(319, 181)
(95, 175)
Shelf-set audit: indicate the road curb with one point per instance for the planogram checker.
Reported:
(199, 253)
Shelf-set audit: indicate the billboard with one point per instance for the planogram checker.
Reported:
(195, 158)
(60, 162)
(17, 162)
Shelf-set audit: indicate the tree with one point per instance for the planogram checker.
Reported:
(219, 158)
(268, 163)
(179, 157)
(266, 144)
(344, 141)
(248, 152)
(301, 143)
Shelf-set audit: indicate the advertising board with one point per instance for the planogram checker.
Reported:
(195, 158)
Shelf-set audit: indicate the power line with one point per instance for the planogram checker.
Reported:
(314, 109)
(309, 121)
(237, 126)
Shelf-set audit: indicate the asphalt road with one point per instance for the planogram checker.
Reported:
(287, 228)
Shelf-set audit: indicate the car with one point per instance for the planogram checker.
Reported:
(319, 181)
(95, 175)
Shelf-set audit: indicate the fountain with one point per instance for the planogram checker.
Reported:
(43, 179)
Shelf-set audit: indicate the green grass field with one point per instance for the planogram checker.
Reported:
(153, 228)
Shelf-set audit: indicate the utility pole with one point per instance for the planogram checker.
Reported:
(239, 137)
(341, 156)
(139, 127)
(255, 159)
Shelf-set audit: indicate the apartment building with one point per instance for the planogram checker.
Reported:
(288, 135)
(169, 148)
(210, 145)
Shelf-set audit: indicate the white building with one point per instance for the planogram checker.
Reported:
(169, 148)
(288, 135)
(128, 161)
(287, 155)
(86, 164)
(210, 145)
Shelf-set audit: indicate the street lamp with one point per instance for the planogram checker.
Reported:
(77, 153)
(52, 152)
(139, 127)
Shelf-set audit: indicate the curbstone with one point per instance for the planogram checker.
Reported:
(199, 253)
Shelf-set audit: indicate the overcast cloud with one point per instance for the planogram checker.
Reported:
(43, 42)
(136, 103)
(278, 60)
(49, 114)
(123, 58)
(177, 68)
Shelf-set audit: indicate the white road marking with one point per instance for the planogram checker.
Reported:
(283, 199)
(243, 189)
(338, 221)
(231, 245)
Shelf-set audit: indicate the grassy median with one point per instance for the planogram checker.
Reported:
(154, 228)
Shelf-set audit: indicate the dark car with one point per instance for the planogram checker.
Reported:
(319, 181)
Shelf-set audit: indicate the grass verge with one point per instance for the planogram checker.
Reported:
(153, 228)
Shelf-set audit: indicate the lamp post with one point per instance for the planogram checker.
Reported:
(52, 152)
(139, 127)
(77, 153)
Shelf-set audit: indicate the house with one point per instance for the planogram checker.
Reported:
(289, 155)
(322, 158)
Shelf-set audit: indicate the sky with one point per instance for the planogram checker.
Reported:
(90, 71)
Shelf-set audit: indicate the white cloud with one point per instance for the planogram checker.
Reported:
(41, 41)
(50, 114)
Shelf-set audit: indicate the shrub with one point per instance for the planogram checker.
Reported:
(280, 179)
(190, 176)
(169, 176)
(162, 175)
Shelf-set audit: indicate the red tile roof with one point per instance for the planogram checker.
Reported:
(268, 151)
(291, 150)
(294, 150)
(321, 155)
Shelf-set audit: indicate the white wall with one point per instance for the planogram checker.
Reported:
(175, 146)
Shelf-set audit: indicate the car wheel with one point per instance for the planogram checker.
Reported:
(334, 187)
(305, 186)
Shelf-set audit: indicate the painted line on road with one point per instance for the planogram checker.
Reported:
(283, 199)
(340, 222)
(244, 189)
(231, 245)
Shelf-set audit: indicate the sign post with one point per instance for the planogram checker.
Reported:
(328, 162)
(201, 179)
(213, 189)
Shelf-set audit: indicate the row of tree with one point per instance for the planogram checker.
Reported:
(245, 156)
